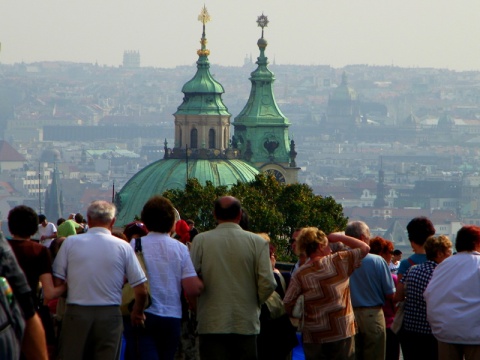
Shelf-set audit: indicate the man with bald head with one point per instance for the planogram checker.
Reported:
(235, 268)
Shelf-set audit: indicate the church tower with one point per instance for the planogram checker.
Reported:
(380, 201)
(54, 198)
(343, 113)
(261, 130)
(202, 121)
(201, 148)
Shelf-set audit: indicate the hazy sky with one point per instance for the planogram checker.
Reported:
(406, 33)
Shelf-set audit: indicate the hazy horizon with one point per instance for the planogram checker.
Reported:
(431, 33)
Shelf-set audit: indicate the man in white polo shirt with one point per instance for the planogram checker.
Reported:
(47, 231)
(94, 265)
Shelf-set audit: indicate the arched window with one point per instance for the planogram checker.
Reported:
(194, 138)
(211, 139)
(225, 145)
(180, 137)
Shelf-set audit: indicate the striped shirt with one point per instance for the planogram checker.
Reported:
(325, 285)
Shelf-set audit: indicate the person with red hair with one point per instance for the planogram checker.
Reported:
(384, 248)
(183, 231)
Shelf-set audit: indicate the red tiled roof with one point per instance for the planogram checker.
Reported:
(8, 153)
(7, 187)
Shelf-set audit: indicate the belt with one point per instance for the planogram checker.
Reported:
(367, 307)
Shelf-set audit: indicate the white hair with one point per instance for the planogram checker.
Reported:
(101, 211)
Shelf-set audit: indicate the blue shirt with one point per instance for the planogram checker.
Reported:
(406, 263)
(371, 282)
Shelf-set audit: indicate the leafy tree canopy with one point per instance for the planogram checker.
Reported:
(273, 208)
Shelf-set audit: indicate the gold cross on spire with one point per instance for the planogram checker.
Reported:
(204, 16)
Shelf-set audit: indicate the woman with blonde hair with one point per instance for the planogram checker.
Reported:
(329, 324)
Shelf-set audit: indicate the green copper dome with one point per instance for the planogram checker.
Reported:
(203, 81)
(171, 174)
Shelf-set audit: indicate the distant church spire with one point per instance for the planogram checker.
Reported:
(54, 198)
(380, 201)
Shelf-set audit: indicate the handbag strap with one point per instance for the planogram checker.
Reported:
(138, 245)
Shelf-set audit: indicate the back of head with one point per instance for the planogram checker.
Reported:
(381, 246)
(436, 245)
(101, 212)
(468, 238)
(41, 218)
(227, 208)
(22, 221)
(419, 229)
(158, 214)
(135, 229)
(183, 231)
(60, 221)
(377, 245)
(78, 218)
(310, 239)
(359, 230)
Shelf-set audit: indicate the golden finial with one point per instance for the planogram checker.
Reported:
(204, 16)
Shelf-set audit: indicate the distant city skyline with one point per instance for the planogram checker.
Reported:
(408, 33)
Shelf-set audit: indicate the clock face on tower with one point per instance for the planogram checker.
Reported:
(276, 174)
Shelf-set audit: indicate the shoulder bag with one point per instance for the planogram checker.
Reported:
(298, 311)
(128, 294)
(398, 319)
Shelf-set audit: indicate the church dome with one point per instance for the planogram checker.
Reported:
(343, 92)
(171, 174)
(203, 82)
(50, 156)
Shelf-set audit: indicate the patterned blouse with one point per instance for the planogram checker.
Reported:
(325, 286)
(415, 312)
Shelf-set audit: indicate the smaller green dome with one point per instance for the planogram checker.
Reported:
(203, 82)
(167, 174)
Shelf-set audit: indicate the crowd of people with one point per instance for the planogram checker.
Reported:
(218, 294)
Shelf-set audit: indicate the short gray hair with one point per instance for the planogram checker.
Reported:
(356, 229)
(101, 211)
